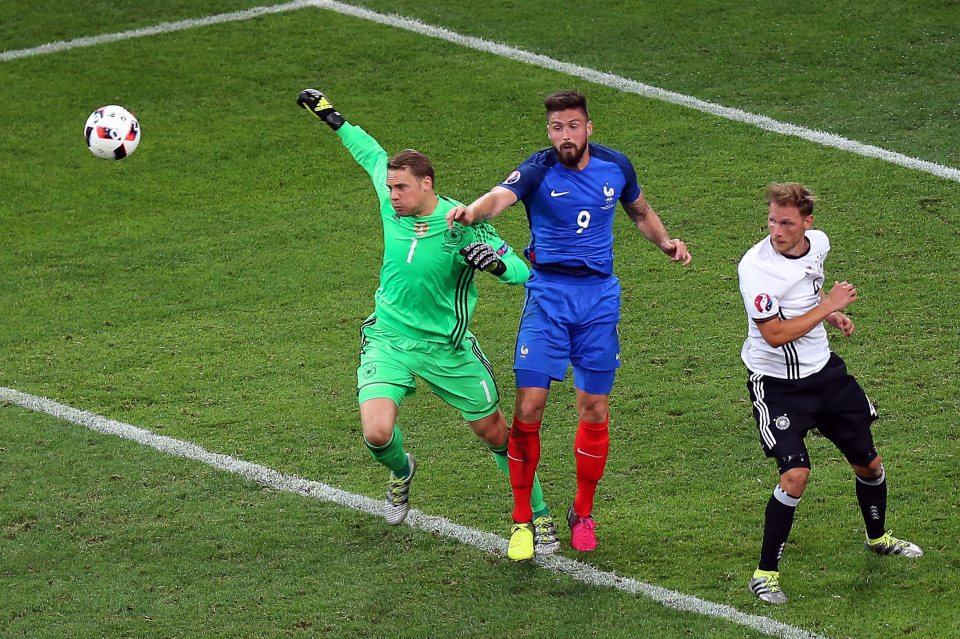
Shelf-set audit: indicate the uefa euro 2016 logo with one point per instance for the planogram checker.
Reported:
(763, 302)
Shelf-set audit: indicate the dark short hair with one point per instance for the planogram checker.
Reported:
(568, 99)
(791, 194)
(416, 162)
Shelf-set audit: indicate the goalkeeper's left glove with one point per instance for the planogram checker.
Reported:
(318, 104)
(483, 258)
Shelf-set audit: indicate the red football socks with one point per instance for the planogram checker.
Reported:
(523, 455)
(590, 449)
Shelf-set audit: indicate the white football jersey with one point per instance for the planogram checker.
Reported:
(775, 285)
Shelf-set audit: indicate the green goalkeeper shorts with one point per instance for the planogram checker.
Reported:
(462, 376)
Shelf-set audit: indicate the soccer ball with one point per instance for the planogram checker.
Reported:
(111, 132)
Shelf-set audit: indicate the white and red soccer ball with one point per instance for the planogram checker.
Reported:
(111, 132)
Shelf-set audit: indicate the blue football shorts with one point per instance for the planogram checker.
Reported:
(569, 321)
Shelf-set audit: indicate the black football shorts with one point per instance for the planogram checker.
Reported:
(830, 400)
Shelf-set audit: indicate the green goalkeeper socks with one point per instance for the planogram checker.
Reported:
(392, 455)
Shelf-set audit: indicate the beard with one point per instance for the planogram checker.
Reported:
(570, 154)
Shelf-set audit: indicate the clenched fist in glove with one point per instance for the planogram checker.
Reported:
(318, 104)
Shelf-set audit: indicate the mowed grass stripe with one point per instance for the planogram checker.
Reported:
(610, 80)
(648, 91)
(164, 27)
(485, 541)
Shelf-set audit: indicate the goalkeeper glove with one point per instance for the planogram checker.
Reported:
(483, 258)
(318, 104)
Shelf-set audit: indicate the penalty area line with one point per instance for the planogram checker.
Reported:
(485, 541)
(163, 27)
(626, 85)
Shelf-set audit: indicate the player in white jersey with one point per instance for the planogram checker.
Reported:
(796, 383)
(785, 287)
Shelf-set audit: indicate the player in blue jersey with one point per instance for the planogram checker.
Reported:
(572, 305)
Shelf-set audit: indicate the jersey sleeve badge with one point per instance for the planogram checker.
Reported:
(763, 302)
(513, 178)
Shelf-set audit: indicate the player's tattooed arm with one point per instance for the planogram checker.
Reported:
(652, 228)
(638, 210)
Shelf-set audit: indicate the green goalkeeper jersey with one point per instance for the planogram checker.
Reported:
(426, 289)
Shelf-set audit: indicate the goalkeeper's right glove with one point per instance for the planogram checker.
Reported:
(318, 104)
(482, 257)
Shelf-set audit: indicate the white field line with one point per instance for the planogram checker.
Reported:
(632, 86)
(163, 27)
(485, 541)
(626, 85)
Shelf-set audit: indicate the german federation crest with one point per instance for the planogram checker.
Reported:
(452, 238)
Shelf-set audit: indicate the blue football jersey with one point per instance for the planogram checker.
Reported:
(570, 212)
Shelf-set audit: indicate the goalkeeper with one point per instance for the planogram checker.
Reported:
(421, 311)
